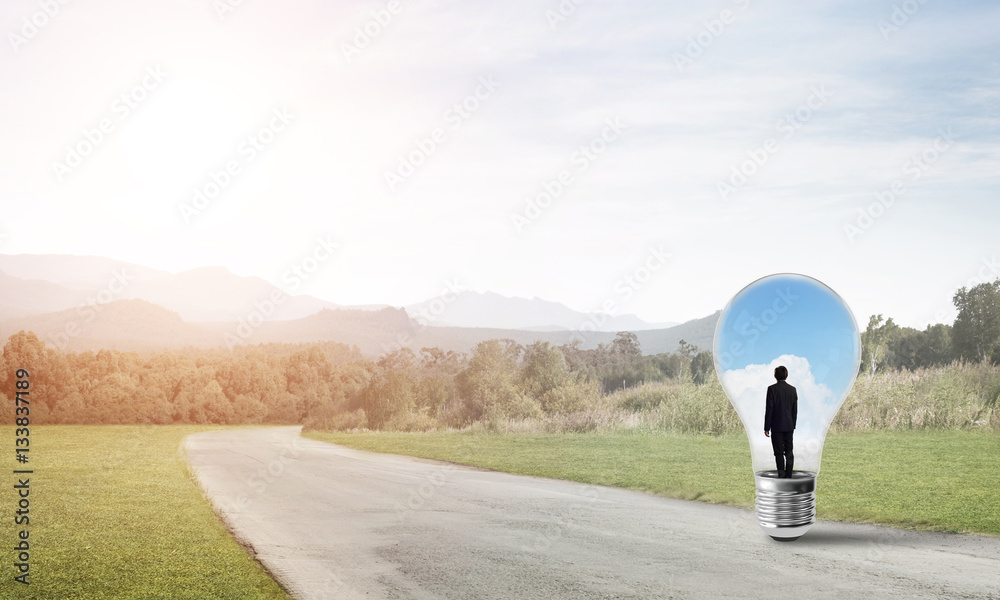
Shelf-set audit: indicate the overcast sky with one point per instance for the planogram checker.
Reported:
(831, 102)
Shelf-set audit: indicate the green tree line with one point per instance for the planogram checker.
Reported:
(271, 383)
(332, 385)
(329, 382)
(973, 337)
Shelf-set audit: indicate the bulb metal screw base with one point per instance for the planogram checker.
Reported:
(786, 507)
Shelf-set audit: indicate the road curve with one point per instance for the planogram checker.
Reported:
(332, 522)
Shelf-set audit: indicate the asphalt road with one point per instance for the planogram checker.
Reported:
(332, 522)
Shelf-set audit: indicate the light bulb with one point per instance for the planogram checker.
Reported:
(797, 322)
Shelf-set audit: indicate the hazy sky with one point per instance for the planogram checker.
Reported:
(489, 105)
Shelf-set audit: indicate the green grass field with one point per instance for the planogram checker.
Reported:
(935, 480)
(115, 514)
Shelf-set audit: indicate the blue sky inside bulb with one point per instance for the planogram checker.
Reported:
(798, 322)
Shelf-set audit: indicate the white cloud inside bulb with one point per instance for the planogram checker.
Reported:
(817, 405)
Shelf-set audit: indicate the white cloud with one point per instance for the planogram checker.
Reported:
(747, 390)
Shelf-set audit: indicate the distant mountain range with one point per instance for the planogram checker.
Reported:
(488, 309)
(205, 294)
(88, 303)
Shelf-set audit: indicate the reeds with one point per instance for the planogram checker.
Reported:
(957, 396)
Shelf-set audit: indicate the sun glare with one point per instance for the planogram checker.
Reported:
(188, 121)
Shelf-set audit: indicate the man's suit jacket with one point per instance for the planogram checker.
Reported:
(782, 407)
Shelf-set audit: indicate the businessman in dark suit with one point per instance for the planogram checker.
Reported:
(779, 420)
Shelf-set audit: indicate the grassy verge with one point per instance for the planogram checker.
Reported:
(935, 480)
(114, 514)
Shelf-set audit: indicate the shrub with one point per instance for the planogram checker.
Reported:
(355, 419)
(570, 397)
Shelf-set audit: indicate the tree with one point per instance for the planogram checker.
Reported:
(276, 383)
(390, 394)
(908, 348)
(436, 361)
(701, 367)
(490, 385)
(308, 373)
(201, 400)
(576, 357)
(248, 381)
(670, 365)
(686, 350)
(544, 369)
(113, 400)
(903, 348)
(401, 359)
(874, 341)
(217, 407)
(48, 375)
(626, 347)
(976, 333)
(435, 392)
(352, 379)
(936, 349)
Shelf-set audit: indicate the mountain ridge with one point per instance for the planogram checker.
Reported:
(87, 303)
(213, 293)
(466, 308)
(138, 325)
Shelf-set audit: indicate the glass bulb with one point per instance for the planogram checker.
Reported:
(797, 322)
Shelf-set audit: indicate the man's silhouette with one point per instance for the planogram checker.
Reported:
(779, 420)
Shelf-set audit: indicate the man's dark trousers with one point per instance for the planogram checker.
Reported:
(781, 442)
(780, 414)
